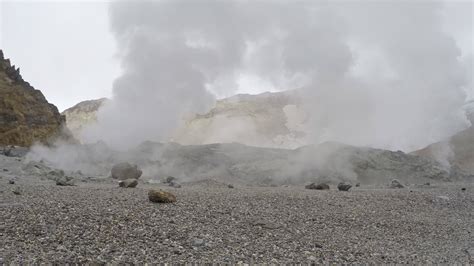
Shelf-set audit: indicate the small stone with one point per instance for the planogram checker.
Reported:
(463, 189)
(174, 184)
(343, 186)
(169, 179)
(322, 186)
(230, 186)
(128, 183)
(396, 184)
(11, 182)
(5, 170)
(198, 242)
(443, 197)
(427, 184)
(159, 196)
(16, 191)
(312, 258)
(358, 185)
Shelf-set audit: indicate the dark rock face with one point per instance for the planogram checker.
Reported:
(159, 196)
(123, 171)
(322, 186)
(343, 186)
(128, 183)
(25, 115)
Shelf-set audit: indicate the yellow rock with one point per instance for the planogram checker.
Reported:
(159, 196)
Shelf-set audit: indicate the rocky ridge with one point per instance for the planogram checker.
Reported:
(265, 120)
(26, 116)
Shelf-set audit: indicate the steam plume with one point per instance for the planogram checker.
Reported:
(376, 74)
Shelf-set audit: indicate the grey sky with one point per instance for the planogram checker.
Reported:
(65, 48)
(62, 48)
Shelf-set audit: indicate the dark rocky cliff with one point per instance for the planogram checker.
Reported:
(26, 116)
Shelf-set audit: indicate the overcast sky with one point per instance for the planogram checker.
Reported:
(65, 48)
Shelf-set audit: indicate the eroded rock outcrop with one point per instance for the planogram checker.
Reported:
(266, 120)
(26, 116)
(82, 115)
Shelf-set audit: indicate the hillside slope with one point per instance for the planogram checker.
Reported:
(25, 114)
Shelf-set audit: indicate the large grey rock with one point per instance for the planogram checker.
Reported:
(322, 186)
(343, 186)
(123, 171)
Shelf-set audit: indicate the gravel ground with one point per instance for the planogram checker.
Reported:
(100, 222)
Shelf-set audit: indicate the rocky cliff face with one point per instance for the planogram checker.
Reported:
(82, 114)
(265, 120)
(25, 115)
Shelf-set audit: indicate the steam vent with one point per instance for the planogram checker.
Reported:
(26, 116)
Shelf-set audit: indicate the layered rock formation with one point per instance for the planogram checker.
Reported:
(26, 116)
(82, 114)
(265, 120)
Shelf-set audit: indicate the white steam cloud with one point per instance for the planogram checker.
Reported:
(377, 74)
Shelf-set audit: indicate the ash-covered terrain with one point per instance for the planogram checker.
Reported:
(235, 204)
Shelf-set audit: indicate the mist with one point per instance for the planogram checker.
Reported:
(383, 75)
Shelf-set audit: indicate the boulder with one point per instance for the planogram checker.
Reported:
(16, 191)
(159, 196)
(396, 184)
(128, 183)
(14, 151)
(123, 171)
(174, 184)
(169, 179)
(65, 181)
(343, 186)
(322, 186)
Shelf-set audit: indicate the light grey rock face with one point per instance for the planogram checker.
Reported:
(123, 171)
(267, 119)
(82, 115)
